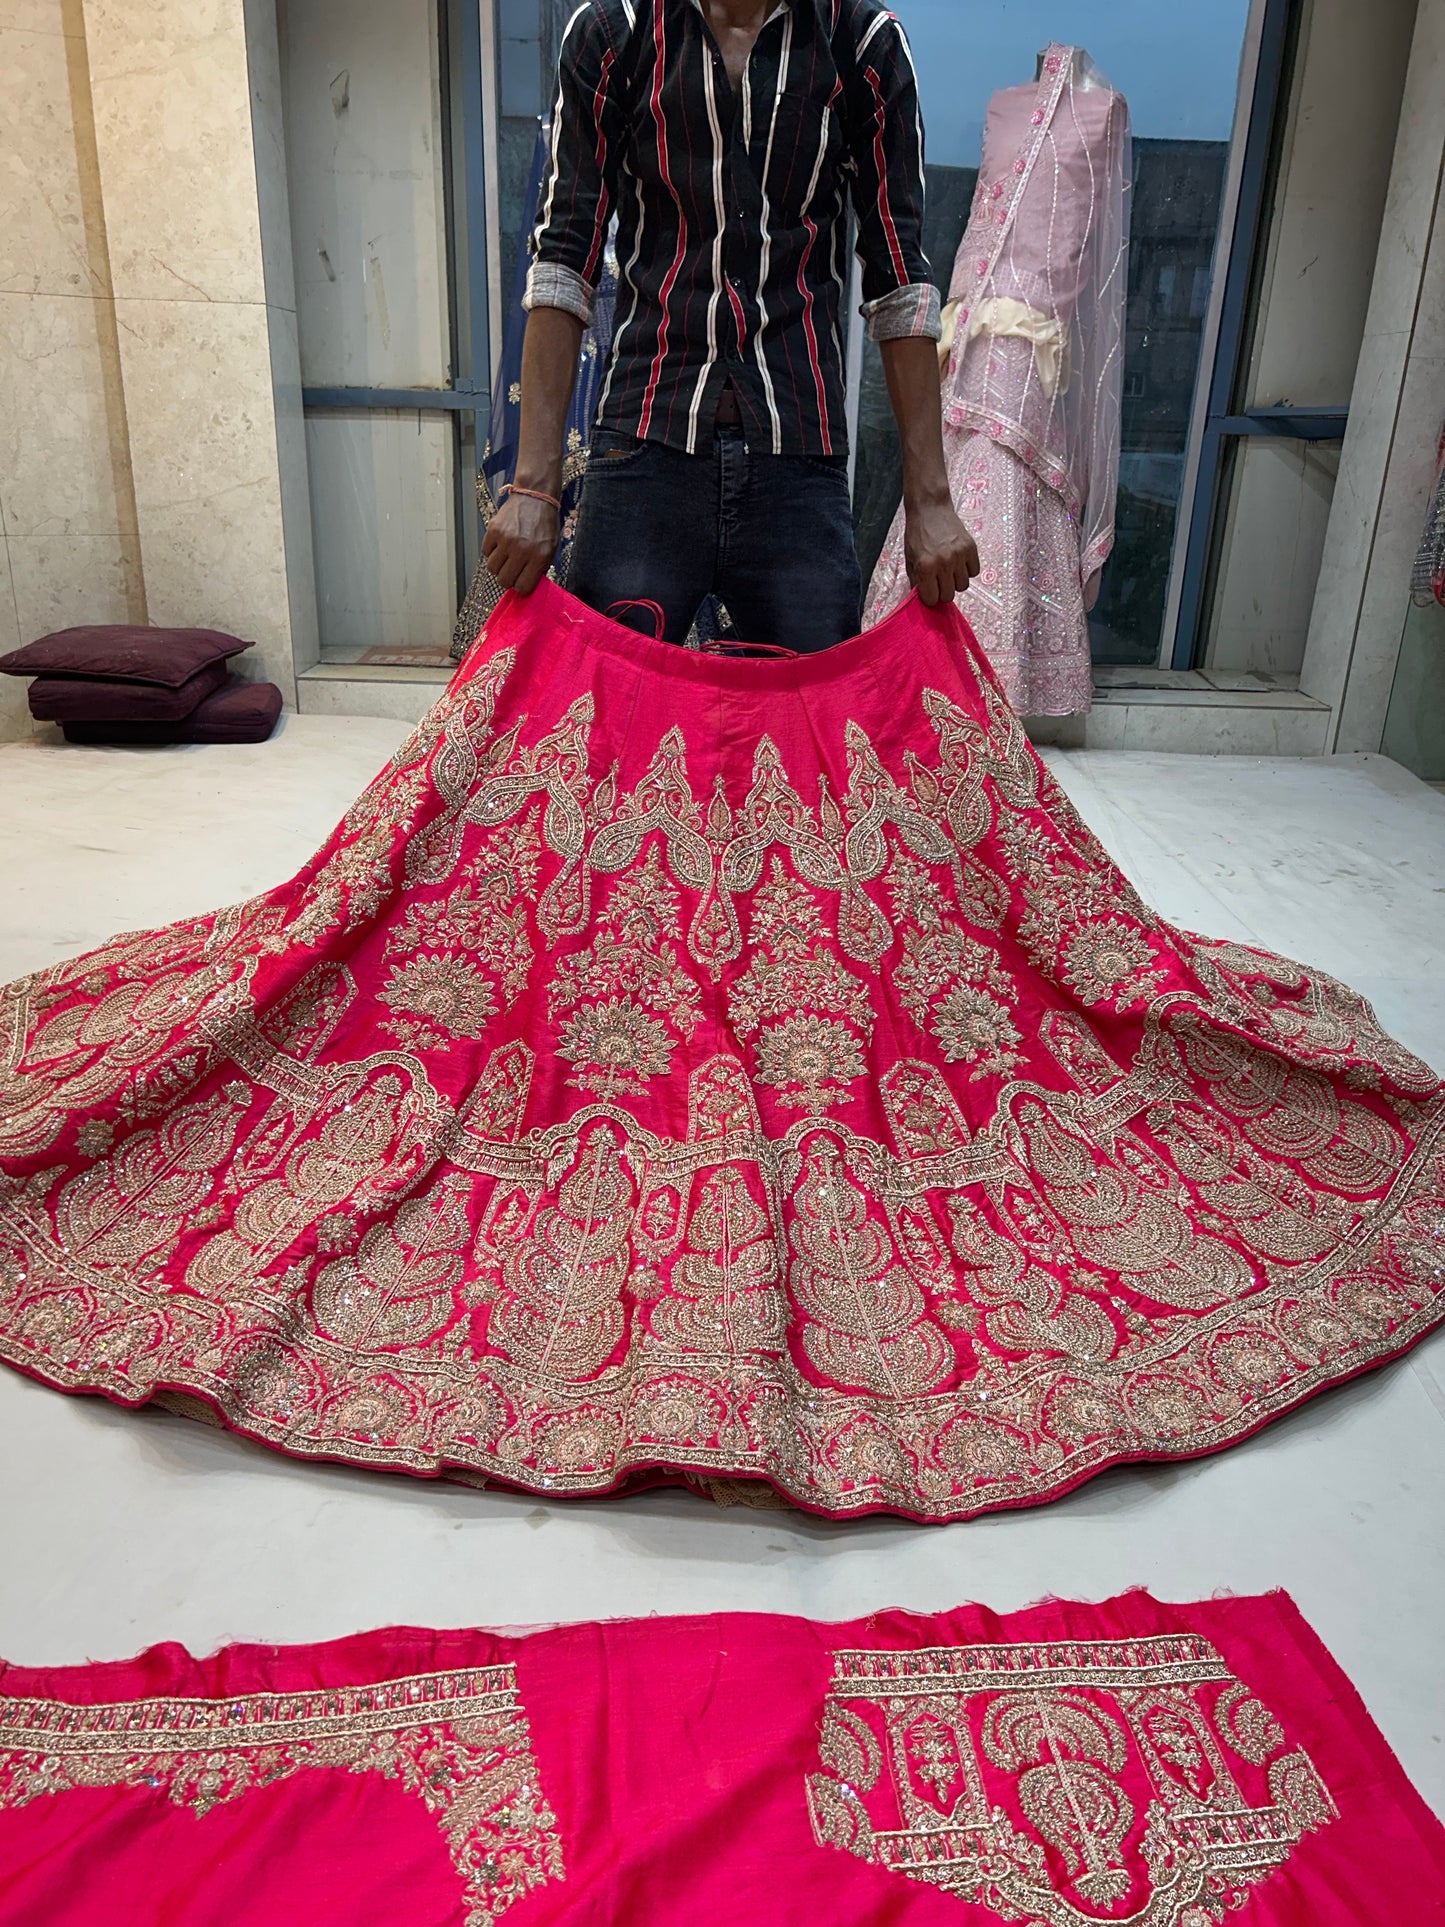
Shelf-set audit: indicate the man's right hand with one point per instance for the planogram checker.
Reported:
(522, 539)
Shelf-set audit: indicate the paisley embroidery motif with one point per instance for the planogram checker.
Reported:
(591, 1106)
(1070, 1784)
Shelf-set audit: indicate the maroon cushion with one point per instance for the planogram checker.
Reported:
(81, 699)
(242, 712)
(123, 652)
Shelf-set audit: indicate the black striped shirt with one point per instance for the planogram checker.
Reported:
(732, 211)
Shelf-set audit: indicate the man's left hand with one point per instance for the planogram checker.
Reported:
(941, 555)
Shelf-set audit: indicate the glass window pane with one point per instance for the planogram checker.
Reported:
(368, 208)
(383, 525)
(364, 132)
(1415, 725)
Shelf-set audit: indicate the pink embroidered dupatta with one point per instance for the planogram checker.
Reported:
(1131, 1764)
(1049, 235)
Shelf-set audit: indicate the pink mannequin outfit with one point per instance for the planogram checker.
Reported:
(1031, 393)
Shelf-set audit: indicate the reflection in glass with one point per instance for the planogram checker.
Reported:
(1415, 724)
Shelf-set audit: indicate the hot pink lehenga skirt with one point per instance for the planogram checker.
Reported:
(719, 1068)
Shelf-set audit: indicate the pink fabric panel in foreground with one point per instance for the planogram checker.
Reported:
(1131, 1764)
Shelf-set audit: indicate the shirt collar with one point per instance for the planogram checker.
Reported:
(783, 6)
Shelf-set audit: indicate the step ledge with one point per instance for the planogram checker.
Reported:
(374, 672)
(1255, 700)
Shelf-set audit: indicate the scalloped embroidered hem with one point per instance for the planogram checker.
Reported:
(682, 1067)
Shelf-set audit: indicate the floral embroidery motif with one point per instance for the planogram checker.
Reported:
(620, 1042)
(941, 961)
(866, 1134)
(809, 1061)
(808, 1058)
(1070, 1784)
(1101, 959)
(459, 1742)
(435, 999)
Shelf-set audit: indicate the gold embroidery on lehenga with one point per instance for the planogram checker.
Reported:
(439, 988)
(724, 1291)
(949, 982)
(998, 1774)
(459, 1742)
(866, 1314)
(624, 1003)
(1072, 1187)
(559, 1311)
(399, 1287)
(810, 1016)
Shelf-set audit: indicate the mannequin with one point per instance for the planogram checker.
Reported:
(1083, 72)
(1033, 347)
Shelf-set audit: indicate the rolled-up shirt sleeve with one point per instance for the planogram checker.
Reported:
(576, 204)
(885, 137)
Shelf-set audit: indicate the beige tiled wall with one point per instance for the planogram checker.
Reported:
(152, 455)
(67, 502)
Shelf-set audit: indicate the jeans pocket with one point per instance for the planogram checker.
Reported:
(610, 451)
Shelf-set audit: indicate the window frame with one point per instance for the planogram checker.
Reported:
(1267, 73)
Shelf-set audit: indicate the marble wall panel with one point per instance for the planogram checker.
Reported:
(150, 409)
(1384, 604)
(14, 715)
(61, 580)
(268, 135)
(49, 189)
(10, 637)
(1360, 604)
(204, 455)
(71, 552)
(64, 453)
(37, 16)
(172, 99)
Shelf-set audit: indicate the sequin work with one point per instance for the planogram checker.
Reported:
(1071, 1784)
(457, 1741)
(689, 1066)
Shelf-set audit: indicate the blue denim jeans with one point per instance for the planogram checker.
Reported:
(770, 535)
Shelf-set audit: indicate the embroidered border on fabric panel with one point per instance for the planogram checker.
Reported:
(458, 1741)
(1009, 1776)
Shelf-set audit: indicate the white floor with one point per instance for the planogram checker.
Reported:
(120, 1529)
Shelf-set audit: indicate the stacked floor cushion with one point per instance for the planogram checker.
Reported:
(122, 683)
(237, 712)
(84, 699)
